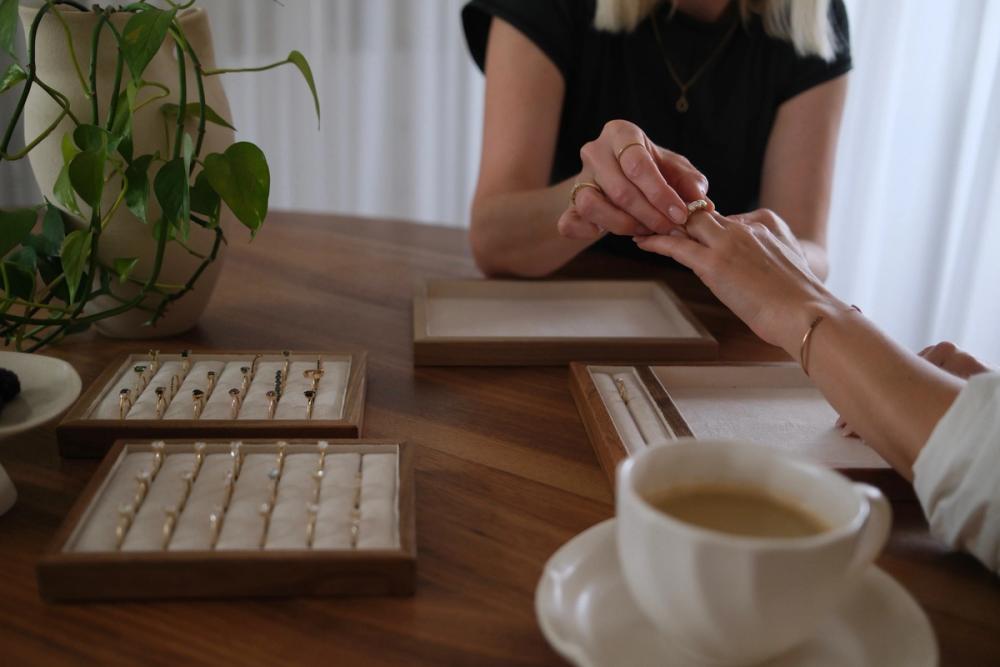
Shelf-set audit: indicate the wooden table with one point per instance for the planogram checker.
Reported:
(505, 475)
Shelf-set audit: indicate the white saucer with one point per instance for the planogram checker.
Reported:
(588, 616)
(48, 387)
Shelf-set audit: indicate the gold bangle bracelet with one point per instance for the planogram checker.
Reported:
(807, 338)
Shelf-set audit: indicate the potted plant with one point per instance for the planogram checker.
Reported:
(128, 134)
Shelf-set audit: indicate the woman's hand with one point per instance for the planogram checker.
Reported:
(640, 188)
(758, 272)
(946, 356)
(959, 363)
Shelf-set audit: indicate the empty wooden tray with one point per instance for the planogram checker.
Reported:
(185, 519)
(512, 323)
(626, 408)
(160, 402)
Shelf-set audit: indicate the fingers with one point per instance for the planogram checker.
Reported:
(572, 226)
(678, 171)
(948, 357)
(706, 227)
(599, 159)
(592, 207)
(676, 246)
(938, 354)
(638, 166)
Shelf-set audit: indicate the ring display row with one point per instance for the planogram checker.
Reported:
(174, 387)
(635, 415)
(200, 497)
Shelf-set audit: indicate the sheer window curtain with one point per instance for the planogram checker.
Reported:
(915, 225)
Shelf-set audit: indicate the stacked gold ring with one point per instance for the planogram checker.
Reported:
(579, 186)
(618, 153)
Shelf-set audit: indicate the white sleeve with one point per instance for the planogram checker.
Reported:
(957, 474)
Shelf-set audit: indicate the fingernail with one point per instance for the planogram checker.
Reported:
(678, 215)
(676, 232)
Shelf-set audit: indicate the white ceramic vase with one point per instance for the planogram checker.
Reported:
(126, 235)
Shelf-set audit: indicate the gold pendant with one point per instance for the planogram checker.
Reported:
(682, 104)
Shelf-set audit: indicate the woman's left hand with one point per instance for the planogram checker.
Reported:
(754, 266)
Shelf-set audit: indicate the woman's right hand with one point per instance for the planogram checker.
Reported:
(640, 188)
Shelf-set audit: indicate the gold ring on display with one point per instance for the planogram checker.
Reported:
(312, 509)
(198, 398)
(161, 402)
(310, 400)
(234, 407)
(124, 402)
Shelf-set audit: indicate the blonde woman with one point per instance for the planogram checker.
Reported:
(604, 118)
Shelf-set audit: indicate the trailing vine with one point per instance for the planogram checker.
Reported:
(50, 271)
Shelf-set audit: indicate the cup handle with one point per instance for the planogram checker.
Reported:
(875, 532)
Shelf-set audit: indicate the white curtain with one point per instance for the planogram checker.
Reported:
(915, 225)
(401, 103)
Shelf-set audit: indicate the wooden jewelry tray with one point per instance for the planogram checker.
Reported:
(347, 531)
(520, 322)
(626, 408)
(335, 409)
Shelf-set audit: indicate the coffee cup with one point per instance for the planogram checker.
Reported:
(725, 595)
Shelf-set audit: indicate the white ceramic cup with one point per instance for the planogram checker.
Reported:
(733, 600)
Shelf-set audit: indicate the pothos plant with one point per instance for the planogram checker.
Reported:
(49, 276)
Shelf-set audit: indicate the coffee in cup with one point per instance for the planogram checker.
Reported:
(738, 553)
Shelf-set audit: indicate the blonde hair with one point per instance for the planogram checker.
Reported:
(804, 23)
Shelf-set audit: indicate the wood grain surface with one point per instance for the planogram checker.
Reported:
(505, 475)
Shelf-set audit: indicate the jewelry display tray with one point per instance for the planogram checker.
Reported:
(552, 322)
(94, 422)
(767, 403)
(79, 566)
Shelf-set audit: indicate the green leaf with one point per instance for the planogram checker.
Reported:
(173, 194)
(142, 37)
(242, 179)
(300, 61)
(75, 253)
(14, 227)
(124, 266)
(137, 190)
(8, 26)
(24, 257)
(86, 174)
(91, 138)
(193, 110)
(204, 199)
(53, 231)
(63, 191)
(69, 149)
(14, 75)
(20, 283)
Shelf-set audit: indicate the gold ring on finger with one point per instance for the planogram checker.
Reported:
(618, 154)
(697, 205)
(578, 186)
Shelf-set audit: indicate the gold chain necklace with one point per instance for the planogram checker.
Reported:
(682, 102)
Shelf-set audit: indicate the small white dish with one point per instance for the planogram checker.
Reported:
(48, 387)
(587, 615)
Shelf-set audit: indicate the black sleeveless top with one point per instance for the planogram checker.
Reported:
(623, 76)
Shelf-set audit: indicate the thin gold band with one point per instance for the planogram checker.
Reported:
(578, 186)
(618, 155)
